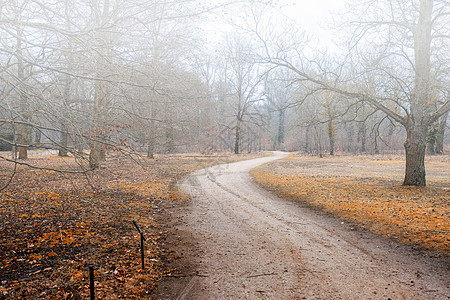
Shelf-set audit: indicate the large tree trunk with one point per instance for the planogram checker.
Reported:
(98, 149)
(415, 147)
(418, 120)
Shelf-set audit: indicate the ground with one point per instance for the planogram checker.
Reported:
(54, 225)
(238, 241)
(367, 191)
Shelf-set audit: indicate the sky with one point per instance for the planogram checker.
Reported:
(311, 16)
(314, 16)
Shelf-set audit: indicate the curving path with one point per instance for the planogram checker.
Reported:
(254, 245)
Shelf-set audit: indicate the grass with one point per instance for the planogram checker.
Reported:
(368, 191)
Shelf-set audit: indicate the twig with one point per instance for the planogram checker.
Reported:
(260, 275)
(60, 234)
(174, 275)
(10, 178)
(42, 168)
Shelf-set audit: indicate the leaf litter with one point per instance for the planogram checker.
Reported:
(53, 226)
(367, 191)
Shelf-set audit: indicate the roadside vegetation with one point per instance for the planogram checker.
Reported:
(53, 225)
(367, 192)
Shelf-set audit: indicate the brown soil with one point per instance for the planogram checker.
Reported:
(239, 241)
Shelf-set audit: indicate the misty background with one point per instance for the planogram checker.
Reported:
(92, 77)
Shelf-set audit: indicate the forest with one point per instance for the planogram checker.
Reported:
(87, 78)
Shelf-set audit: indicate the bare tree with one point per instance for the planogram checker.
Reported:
(279, 99)
(243, 77)
(399, 44)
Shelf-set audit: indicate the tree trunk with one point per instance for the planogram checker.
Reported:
(432, 137)
(63, 142)
(440, 137)
(23, 140)
(281, 119)
(417, 125)
(78, 143)
(307, 140)
(151, 137)
(318, 143)
(377, 147)
(37, 136)
(350, 133)
(97, 154)
(170, 139)
(331, 115)
(23, 130)
(98, 151)
(415, 147)
(237, 137)
(362, 132)
(64, 137)
(331, 135)
(150, 152)
(95, 157)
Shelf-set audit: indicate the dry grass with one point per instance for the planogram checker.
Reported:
(53, 226)
(368, 191)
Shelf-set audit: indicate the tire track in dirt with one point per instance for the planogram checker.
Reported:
(254, 245)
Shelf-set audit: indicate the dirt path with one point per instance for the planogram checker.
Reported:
(253, 245)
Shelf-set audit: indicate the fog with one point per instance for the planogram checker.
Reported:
(90, 78)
